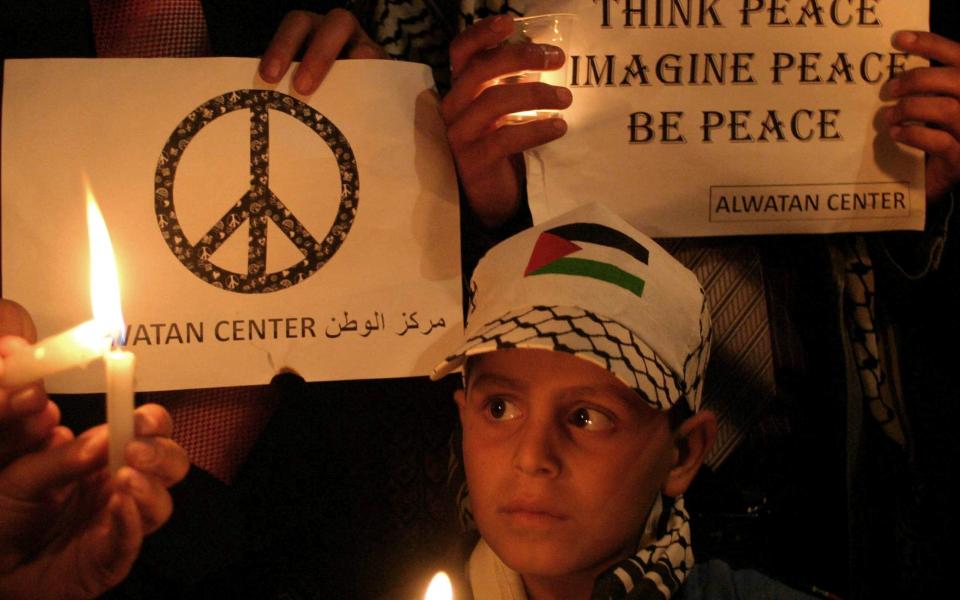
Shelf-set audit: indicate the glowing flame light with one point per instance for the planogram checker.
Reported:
(440, 588)
(104, 282)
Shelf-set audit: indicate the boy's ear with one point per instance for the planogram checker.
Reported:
(460, 397)
(693, 438)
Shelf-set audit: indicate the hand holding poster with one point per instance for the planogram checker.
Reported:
(255, 230)
(720, 117)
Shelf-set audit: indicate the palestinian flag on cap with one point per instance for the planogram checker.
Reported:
(557, 252)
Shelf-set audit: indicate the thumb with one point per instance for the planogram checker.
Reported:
(15, 320)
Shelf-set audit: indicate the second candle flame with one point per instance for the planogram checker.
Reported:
(440, 588)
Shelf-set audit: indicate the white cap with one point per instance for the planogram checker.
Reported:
(590, 284)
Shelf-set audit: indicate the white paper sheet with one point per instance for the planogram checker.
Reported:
(359, 176)
(720, 117)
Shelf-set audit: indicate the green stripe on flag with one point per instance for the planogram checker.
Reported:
(595, 270)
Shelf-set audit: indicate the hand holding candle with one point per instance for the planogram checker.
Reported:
(550, 29)
(71, 531)
(67, 529)
(488, 155)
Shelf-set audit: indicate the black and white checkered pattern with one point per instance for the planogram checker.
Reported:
(656, 570)
(879, 394)
(592, 337)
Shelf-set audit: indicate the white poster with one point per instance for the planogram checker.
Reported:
(721, 117)
(255, 230)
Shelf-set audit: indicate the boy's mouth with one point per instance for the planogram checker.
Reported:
(532, 512)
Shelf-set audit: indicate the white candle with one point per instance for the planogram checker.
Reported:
(440, 588)
(119, 364)
(120, 371)
(75, 347)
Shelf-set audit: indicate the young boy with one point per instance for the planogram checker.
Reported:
(583, 364)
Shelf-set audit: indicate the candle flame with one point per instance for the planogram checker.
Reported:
(440, 588)
(104, 282)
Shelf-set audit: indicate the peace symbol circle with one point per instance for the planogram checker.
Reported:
(259, 203)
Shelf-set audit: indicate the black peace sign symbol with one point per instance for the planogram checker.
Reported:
(259, 203)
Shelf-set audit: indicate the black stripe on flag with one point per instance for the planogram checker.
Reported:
(595, 233)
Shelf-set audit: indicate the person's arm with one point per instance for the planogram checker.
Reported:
(68, 528)
(488, 153)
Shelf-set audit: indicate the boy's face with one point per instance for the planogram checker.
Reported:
(563, 461)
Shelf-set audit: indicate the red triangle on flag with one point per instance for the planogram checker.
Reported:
(549, 247)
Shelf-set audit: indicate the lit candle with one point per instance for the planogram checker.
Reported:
(119, 364)
(75, 347)
(92, 339)
(120, 368)
(440, 588)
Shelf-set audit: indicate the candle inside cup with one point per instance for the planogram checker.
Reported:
(554, 29)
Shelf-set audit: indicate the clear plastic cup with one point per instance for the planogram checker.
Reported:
(554, 29)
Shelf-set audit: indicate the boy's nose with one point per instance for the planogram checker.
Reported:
(536, 450)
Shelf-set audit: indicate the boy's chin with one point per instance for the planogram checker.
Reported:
(542, 558)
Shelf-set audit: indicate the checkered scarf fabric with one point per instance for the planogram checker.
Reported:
(473, 10)
(867, 340)
(421, 30)
(658, 568)
(655, 572)
(418, 30)
(595, 338)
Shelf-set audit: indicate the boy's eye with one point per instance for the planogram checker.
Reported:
(503, 410)
(591, 420)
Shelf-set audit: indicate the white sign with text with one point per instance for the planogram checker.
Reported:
(255, 230)
(722, 117)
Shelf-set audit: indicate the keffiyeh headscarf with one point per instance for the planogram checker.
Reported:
(661, 563)
(421, 30)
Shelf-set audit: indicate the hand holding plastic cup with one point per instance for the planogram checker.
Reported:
(554, 29)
